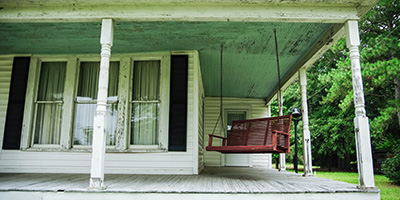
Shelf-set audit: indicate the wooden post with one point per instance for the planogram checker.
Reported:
(306, 130)
(282, 156)
(361, 123)
(268, 113)
(269, 155)
(99, 139)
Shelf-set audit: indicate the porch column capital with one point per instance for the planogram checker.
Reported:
(107, 32)
(352, 33)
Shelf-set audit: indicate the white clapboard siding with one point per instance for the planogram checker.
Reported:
(115, 163)
(6, 63)
(256, 108)
(79, 162)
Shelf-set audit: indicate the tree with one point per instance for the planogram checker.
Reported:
(331, 106)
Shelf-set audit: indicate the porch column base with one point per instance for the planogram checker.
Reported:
(364, 153)
(282, 162)
(97, 184)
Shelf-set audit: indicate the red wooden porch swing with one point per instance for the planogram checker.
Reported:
(264, 135)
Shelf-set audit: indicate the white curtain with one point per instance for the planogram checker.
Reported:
(86, 103)
(145, 104)
(49, 103)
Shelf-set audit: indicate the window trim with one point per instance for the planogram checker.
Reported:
(31, 104)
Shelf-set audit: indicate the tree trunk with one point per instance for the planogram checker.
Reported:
(397, 95)
(330, 163)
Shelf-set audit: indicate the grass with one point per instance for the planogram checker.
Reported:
(389, 191)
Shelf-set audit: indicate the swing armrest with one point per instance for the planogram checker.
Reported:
(220, 137)
(217, 136)
(286, 139)
(280, 132)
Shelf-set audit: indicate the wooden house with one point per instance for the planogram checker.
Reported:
(133, 87)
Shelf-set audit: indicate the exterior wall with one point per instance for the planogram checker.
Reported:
(6, 63)
(255, 108)
(78, 161)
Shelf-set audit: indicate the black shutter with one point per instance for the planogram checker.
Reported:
(178, 103)
(16, 103)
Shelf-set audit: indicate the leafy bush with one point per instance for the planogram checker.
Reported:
(391, 166)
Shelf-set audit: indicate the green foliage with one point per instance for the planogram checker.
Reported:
(391, 167)
(330, 91)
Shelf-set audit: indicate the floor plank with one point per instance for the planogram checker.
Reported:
(213, 180)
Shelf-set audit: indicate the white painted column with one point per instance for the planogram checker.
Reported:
(268, 113)
(306, 129)
(269, 155)
(282, 156)
(99, 139)
(361, 123)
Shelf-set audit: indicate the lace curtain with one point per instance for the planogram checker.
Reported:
(49, 103)
(145, 103)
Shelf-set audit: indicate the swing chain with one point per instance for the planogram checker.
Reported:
(221, 102)
(279, 93)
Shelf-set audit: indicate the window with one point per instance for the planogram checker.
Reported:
(149, 103)
(49, 102)
(61, 105)
(86, 103)
(145, 103)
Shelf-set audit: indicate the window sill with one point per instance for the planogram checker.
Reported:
(89, 150)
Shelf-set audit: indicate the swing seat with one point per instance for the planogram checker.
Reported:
(264, 135)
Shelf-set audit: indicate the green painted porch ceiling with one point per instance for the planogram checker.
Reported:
(249, 61)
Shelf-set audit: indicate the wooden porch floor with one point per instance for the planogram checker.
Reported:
(216, 181)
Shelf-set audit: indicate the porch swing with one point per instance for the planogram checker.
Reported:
(264, 135)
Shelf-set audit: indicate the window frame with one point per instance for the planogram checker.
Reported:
(37, 102)
(165, 70)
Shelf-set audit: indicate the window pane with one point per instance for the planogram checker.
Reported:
(145, 115)
(84, 120)
(49, 106)
(85, 108)
(144, 123)
(233, 117)
(48, 123)
(83, 128)
(146, 83)
(88, 80)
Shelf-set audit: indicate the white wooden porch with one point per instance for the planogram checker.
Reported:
(213, 183)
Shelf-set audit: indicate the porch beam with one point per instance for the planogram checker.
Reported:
(99, 133)
(187, 11)
(361, 122)
(306, 129)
